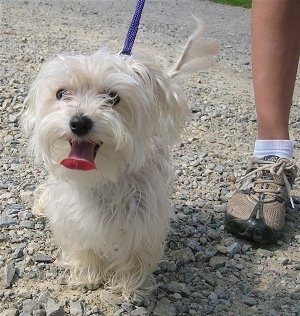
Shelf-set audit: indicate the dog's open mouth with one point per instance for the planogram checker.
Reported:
(82, 156)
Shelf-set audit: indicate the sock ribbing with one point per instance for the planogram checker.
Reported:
(280, 148)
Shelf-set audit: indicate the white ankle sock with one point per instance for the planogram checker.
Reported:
(280, 148)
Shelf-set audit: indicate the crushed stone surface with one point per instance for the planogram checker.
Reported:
(205, 270)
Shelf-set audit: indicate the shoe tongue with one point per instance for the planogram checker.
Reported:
(81, 156)
(271, 158)
(266, 174)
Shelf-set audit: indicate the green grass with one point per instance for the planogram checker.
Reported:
(240, 3)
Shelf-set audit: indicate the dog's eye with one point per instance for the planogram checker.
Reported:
(113, 98)
(62, 94)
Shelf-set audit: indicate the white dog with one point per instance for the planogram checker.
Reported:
(103, 125)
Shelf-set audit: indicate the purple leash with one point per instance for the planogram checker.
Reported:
(133, 28)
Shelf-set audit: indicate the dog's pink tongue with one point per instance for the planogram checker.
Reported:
(81, 156)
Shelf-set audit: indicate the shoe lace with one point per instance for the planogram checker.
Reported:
(261, 185)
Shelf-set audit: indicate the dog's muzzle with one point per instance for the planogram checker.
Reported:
(83, 153)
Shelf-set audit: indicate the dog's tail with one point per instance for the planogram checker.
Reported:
(197, 53)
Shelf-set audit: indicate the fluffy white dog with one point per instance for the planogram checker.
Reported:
(103, 125)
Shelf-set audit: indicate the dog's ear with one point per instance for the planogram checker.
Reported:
(174, 107)
(38, 94)
(169, 103)
(28, 116)
(197, 53)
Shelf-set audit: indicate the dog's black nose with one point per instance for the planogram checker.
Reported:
(80, 124)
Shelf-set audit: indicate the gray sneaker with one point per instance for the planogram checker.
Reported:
(257, 209)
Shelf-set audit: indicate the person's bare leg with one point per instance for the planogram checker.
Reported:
(257, 209)
(275, 55)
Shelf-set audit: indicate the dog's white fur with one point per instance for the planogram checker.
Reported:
(111, 223)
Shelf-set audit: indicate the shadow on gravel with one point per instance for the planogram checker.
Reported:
(227, 275)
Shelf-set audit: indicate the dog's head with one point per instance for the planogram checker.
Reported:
(100, 113)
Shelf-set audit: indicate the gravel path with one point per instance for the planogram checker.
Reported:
(205, 270)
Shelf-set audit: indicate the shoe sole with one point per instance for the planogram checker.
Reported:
(252, 228)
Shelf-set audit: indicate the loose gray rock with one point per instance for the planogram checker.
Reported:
(54, 309)
(18, 253)
(248, 300)
(208, 277)
(217, 262)
(233, 249)
(175, 287)
(10, 312)
(76, 308)
(23, 293)
(26, 224)
(140, 311)
(29, 306)
(6, 220)
(39, 312)
(41, 257)
(185, 255)
(119, 312)
(164, 308)
(2, 237)
(264, 253)
(8, 274)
